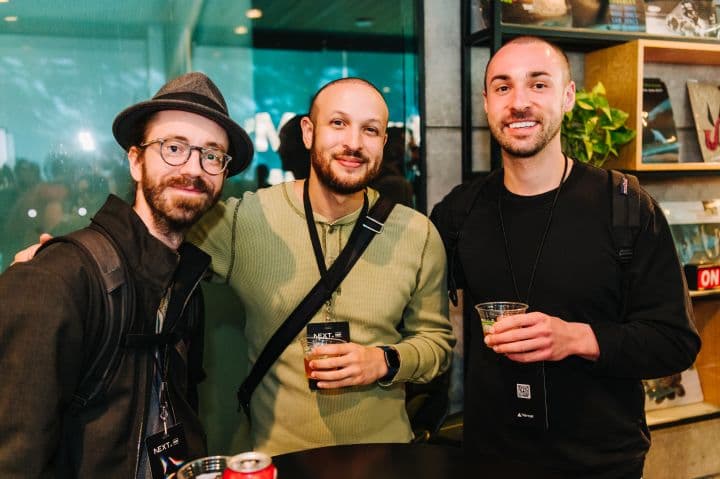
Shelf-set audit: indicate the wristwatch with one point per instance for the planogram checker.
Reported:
(392, 361)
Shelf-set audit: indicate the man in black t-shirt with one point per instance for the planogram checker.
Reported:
(560, 386)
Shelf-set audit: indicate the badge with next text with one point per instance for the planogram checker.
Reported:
(166, 452)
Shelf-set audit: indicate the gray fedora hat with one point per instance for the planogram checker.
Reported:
(195, 93)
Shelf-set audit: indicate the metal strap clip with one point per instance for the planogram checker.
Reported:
(376, 226)
(624, 186)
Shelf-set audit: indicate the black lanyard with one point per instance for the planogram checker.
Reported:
(542, 240)
(315, 239)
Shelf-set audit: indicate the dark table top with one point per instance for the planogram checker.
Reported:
(397, 461)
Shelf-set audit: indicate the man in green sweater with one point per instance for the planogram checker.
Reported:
(394, 300)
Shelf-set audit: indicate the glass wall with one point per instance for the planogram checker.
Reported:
(67, 67)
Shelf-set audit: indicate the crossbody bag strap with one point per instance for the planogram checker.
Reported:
(371, 225)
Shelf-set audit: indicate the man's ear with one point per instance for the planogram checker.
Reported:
(135, 158)
(308, 129)
(569, 99)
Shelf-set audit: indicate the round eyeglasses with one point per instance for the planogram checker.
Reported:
(176, 153)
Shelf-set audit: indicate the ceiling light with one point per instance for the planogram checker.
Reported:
(12, 18)
(254, 13)
(364, 22)
(240, 30)
(4, 1)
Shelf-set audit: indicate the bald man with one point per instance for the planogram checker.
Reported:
(393, 303)
(560, 387)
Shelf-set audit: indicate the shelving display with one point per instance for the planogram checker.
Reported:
(622, 67)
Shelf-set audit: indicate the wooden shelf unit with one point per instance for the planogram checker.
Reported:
(707, 321)
(621, 69)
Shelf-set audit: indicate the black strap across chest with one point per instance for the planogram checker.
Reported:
(367, 227)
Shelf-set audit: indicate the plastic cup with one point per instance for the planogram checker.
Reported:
(489, 312)
(309, 343)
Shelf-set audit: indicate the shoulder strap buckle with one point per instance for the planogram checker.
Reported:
(373, 225)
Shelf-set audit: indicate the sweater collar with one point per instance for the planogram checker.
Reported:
(297, 206)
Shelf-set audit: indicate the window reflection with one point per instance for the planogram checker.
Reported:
(67, 69)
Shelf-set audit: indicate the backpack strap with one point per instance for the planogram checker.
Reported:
(457, 217)
(625, 211)
(625, 197)
(104, 334)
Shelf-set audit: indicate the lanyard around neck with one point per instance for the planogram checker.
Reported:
(542, 240)
(315, 239)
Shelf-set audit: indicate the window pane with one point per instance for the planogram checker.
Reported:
(68, 67)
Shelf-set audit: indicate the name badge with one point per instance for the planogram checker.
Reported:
(167, 452)
(526, 394)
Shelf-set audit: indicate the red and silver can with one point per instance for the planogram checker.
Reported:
(250, 465)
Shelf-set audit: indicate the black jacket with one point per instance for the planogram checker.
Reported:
(45, 306)
(597, 425)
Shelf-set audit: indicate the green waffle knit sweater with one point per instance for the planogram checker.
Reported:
(395, 295)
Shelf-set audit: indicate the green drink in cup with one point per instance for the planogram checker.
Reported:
(489, 312)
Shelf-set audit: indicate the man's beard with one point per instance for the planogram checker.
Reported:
(539, 141)
(176, 215)
(326, 175)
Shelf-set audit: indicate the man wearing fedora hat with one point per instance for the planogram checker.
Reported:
(181, 145)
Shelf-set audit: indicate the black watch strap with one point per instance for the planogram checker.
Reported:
(392, 361)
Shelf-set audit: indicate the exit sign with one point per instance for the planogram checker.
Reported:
(703, 276)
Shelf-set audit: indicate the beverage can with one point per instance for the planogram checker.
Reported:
(250, 465)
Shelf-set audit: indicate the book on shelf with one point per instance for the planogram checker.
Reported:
(689, 18)
(617, 15)
(705, 106)
(659, 135)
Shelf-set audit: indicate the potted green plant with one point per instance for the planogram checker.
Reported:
(593, 131)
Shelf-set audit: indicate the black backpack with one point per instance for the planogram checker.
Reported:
(625, 210)
(105, 336)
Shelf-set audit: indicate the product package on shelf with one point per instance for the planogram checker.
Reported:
(618, 15)
(705, 105)
(478, 15)
(674, 390)
(659, 136)
(551, 13)
(695, 228)
(690, 18)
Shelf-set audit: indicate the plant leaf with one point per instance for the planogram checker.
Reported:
(621, 137)
(585, 105)
(588, 150)
(593, 130)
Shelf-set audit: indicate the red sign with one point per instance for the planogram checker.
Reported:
(702, 276)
